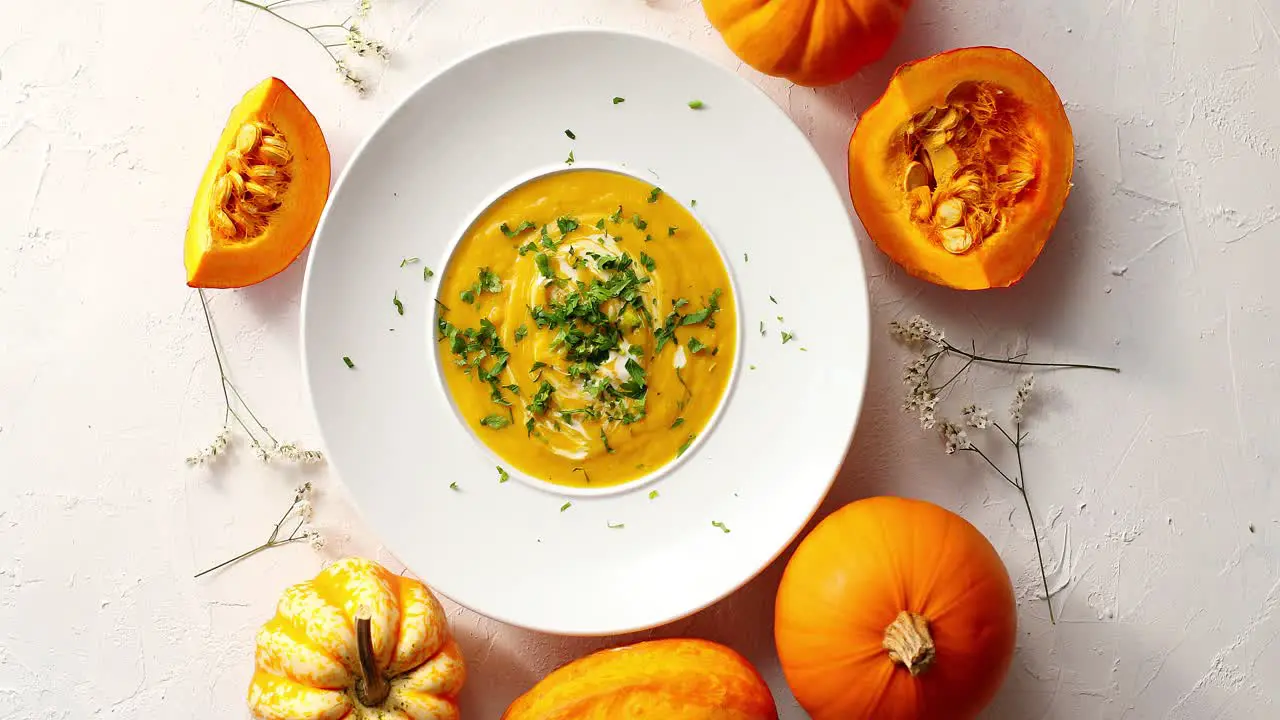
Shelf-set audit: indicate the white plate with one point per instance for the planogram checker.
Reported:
(475, 130)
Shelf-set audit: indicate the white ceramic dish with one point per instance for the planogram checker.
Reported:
(478, 128)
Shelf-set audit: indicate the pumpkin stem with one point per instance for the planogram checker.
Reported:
(908, 641)
(371, 689)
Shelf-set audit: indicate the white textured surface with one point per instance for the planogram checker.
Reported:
(1158, 486)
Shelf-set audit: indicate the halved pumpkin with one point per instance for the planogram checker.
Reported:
(960, 170)
(262, 193)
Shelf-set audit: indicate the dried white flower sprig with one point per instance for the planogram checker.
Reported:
(265, 446)
(328, 36)
(300, 510)
(923, 397)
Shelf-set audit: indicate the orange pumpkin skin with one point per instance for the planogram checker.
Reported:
(853, 576)
(675, 679)
(1021, 157)
(809, 42)
(258, 206)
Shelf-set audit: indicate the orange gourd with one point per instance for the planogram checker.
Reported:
(675, 679)
(262, 193)
(960, 170)
(357, 643)
(894, 609)
(809, 42)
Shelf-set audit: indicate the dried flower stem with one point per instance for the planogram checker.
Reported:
(300, 533)
(1017, 360)
(353, 38)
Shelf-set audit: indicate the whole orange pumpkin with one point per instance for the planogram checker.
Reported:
(809, 42)
(895, 609)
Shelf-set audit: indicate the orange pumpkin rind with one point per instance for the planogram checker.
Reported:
(960, 171)
(262, 192)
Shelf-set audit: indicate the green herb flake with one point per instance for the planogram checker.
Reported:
(762, 330)
(693, 203)
(521, 228)
(566, 506)
(786, 337)
(671, 230)
(653, 494)
(616, 526)
(569, 160)
(773, 300)
(566, 224)
(654, 194)
(649, 263)
(696, 346)
(395, 300)
(600, 224)
(746, 258)
(454, 486)
(618, 100)
(467, 297)
(616, 217)
(348, 362)
(522, 332)
(696, 105)
(717, 524)
(570, 134)
(679, 421)
(639, 222)
(428, 273)
(780, 319)
(605, 440)
(804, 349)
(408, 261)
(544, 265)
(685, 446)
(503, 475)
(751, 367)
(495, 422)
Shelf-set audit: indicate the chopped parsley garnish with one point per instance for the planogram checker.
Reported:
(617, 100)
(467, 296)
(616, 526)
(751, 367)
(395, 300)
(717, 524)
(696, 105)
(600, 224)
(569, 160)
(649, 263)
(616, 217)
(671, 230)
(685, 446)
(522, 227)
(348, 362)
(503, 475)
(528, 427)
(773, 300)
(605, 439)
(544, 265)
(522, 332)
(762, 330)
(496, 422)
(453, 486)
(653, 494)
(746, 258)
(566, 506)
(654, 194)
(679, 421)
(408, 261)
(696, 345)
(570, 134)
(487, 282)
(786, 337)
(427, 273)
(639, 222)
(541, 398)
(780, 319)
(693, 203)
(566, 225)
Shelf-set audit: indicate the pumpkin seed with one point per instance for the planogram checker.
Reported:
(956, 240)
(949, 213)
(248, 138)
(917, 176)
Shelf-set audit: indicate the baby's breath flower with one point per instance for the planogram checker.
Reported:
(305, 510)
(291, 451)
(314, 537)
(975, 417)
(212, 450)
(955, 436)
(349, 77)
(917, 331)
(363, 45)
(263, 453)
(916, 372)
(302, 493)
(1020, 398)
(363, 7)
(924, 403)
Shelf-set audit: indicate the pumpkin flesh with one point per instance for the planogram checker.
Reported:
(308, 659)
(960, 171)
(850, 593)
(262, 193)
(675, 679)
(809, 42)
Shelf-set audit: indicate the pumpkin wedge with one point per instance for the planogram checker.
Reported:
(262, 193)
(960, 170)
(674, 679)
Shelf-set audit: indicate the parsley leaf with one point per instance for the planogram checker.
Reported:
(746, 258)
(671, 230)
(696, 345)
(616, 526)
(605, 439)
(453, 486)
(522, 227)
(654, 194)
(696, 105)
(617, 100)
(408, 261)
(649, 263)
(786, 337)
(570, 134)
(541, 398)
(522, 332)
(348, 362)
(639, 222)
(496, 422)
(717, 524)
(653, 494)
(762, 330)
(600, 224)
(569, 160)
(395, 300)
(616, 217)
(503, 475)
(566, 506)
(427, 273)
(467, 296)
(685, 447)
(679, 421)
(566, 224)
(773, 300)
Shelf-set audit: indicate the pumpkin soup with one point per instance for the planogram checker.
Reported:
(586, 328)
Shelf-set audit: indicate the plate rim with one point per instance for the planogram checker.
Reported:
(863, 294)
